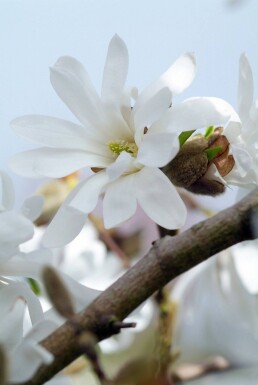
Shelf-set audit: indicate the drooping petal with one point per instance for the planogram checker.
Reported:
(6, 192)
(245, 88)
(70, 218)
(158, 149)
(152, 110)
(85, 200)
(121, 164)
(119, 203)
(56, 133)
(66, 224)
(54, 163)
(72, 84)
(177, 78)
(32, 207)
(159, 198)
(11, 324)
(194, 113)
(26, 359)
(14, 230)
(15, 290)
(115, 71)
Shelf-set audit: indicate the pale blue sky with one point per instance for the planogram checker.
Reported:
(34, 33)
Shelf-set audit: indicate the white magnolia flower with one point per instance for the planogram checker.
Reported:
(16, 227)
(24, 354)
(245, 147)
(218, 315)
(124, 145)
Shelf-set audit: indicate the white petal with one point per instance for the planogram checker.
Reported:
(85, 200)
(54, 132)
(152, 110)
(119, 203)
(159, 198)
(177, 78)
(194, 113)
(32, 207)
(121, 164)
(70, 218)
(21, 290)
(11, 323)
(71, 82)
(115, 71)
(6, 192)
(14, 230)
(26, 359)
(157, 149)
(232, 131)
(64, 227)
(245, 87)
(54, 163)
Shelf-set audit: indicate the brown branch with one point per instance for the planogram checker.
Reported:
(168, 258)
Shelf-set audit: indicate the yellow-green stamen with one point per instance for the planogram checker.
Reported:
(119, 146)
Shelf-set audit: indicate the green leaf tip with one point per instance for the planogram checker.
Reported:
(212, 152)
(184, 136)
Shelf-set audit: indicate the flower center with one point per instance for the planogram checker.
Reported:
(121, 145)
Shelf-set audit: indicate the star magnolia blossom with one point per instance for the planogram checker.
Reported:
(24, 354)
(124, 146)
(245, 147)
(202, 330)
(16, 227)
(218, 315)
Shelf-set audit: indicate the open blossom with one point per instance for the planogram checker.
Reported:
(244, 147)
(217, 315)
(16, 228)
(125, 146)
(24, 354)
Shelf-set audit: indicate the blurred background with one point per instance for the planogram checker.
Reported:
(34, 33)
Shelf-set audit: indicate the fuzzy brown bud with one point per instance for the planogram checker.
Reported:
(57, 292)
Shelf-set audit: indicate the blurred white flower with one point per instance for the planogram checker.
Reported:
(24, 354)
(218, 315)
(125, 146)
(16, 227)
(246, 144)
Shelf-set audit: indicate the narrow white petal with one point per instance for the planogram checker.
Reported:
(121, 164)
(32, 207)
(54, 132)
(26, 359)
(157, 149)
(159, 198)
(245, 87)
(115, 71)
(85, 200)
(72, 84)
(54, 163)
(177, 78)
(6, 192)
(194, 113)
(14, 230)
(145, 114)
(119, 203)
(11, 324)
